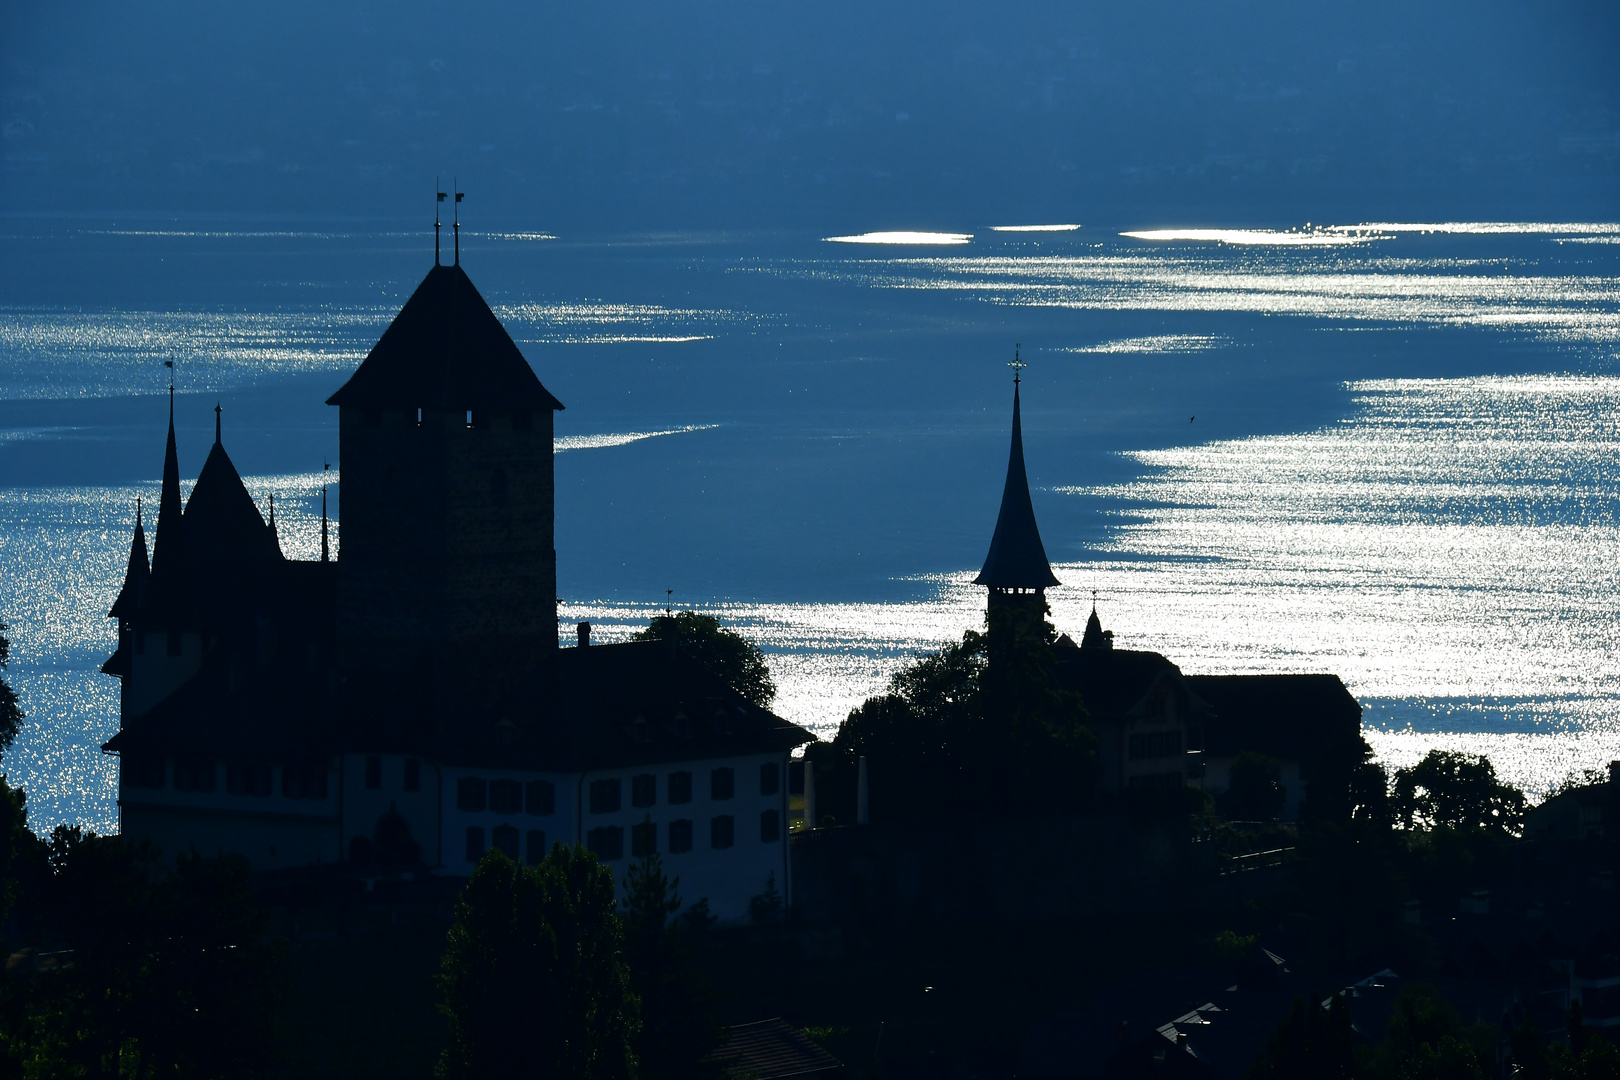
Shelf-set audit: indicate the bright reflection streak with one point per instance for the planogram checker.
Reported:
(566, 443)
(1483, 228)
(1155, 343)
(1248, 237)
(1033, 228)
(902, 238)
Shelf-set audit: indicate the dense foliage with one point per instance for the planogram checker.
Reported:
(1456, 791)
(981, 726)
(156, 972)
(680, 1024)
(725, 653)
(11, 714)
(533, 978)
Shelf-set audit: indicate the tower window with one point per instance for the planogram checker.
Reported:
(604, 796)
(722, 783)
(193, 774)
(371, 418)
(722, 831)
(419, 424)
(540, 797)
(469, 418)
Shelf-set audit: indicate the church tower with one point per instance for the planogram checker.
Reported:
(1016, 571)
(447, 568)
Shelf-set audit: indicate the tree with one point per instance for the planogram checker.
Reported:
(680, 1025)
(11, 714)
(980, 726)
(1459, 792)
(172, 973)
(724, 653)
(1311, 1043)
(1426, 1040)
(1254, 791)
(533, 978)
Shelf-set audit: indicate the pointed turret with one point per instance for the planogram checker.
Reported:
(130, 597)
(223, 524)
(168, 546)
(1017, 559)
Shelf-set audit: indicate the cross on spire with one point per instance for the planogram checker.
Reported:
(436, 203)
(1017, 365)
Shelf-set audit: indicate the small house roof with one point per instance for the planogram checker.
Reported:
(773, 1050)
(445, 350)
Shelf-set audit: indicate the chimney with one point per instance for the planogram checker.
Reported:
(584, 634)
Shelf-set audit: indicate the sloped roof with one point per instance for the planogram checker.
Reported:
(773, 1050)
(1017, 558)
(1109, 681)
(222, 523)
(445, 350)
(1287, 716)
(131, 596)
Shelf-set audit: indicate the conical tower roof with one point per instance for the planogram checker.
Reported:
(222, 522)
(1017, 558)
(130, 597)
(445, 350)
(168, 546)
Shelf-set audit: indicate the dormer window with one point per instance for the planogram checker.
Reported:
(506, 732)
(640, 730)
(683, 724)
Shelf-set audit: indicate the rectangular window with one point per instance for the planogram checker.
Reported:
(373, 772)
(413, 774)
(504, 839)
(770, 827)
(643, 789)
(604, 796)
(722, 831)
(540, 797)
(643, 839)
(475, 843)
(722, 783)
(770, 778)
(534, 846)
(303, 782)
(506, 797)
(193, 774)
(607, 842)
(470, 794)
(142, 771)
(680, 787)
(680, 835)
(247, 778)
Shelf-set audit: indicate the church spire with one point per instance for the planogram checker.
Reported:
(1017, 558)
(167, 543)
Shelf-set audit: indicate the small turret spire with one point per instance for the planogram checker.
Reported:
(456, 227)
(217, 411)
(436, 203)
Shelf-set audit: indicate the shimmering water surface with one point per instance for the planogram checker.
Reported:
(1383, 450)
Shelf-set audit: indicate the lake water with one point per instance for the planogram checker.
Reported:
(1388, 451)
